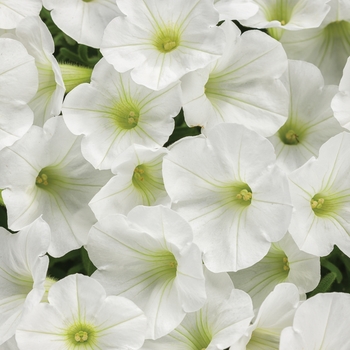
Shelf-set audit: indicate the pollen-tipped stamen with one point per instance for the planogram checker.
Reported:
(244, 195)
(125, 113)
(169, 45)
(167, 39)
(81, 333)
(317, 204)
(292, 138)
(42, 179)
(285, 264)
(81, 336)
(138, 174)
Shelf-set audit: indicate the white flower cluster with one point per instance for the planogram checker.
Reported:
(211, 243)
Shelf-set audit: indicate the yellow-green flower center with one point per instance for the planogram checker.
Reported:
(148, 180)
(242, 194)
(125, 113)
(81, 334)
(292, 138)
(325, 204)
(317, 204)
(290, 133)
(164, 264)
(166, 39)
(42, 179)
(47, 178)
(139, 174)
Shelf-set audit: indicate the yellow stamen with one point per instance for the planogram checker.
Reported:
(245, 195)
(292, 137)
(131, 118)
(138, 174)
(42, 179)
(317, 204)
(81, 337)
(169, 45)
(283, 22)
(285, 264)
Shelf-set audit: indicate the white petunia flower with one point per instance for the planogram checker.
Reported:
(162, 40)
(320, 191)
(328, 46)
(44, 173)
(321, 322)
(341, 101)
(232, 193)
(23, 268)
(138, 180)
(34, 35)
(79, 315)
(310, 122)
(223, 319)
(283, 263)
(84, 21)
(275, 313)
(114, 113)
(288, 14)
(13, 11)
(241, 87)
(149, 258)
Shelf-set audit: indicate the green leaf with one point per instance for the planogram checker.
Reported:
(181, 132)
(324, 285)
(331, 267)
(88, 265)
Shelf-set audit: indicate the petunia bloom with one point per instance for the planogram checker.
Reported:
(310, 121)
(241, 87)
(114, 113)
(79, 315)
(138, 180)
(35, 36)
(160, 41)
(231, 191)
(284, 263)
(223, 319)
(320, 191)
(150, 258)
(44, 173)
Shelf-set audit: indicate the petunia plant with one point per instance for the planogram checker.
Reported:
(174, 174)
